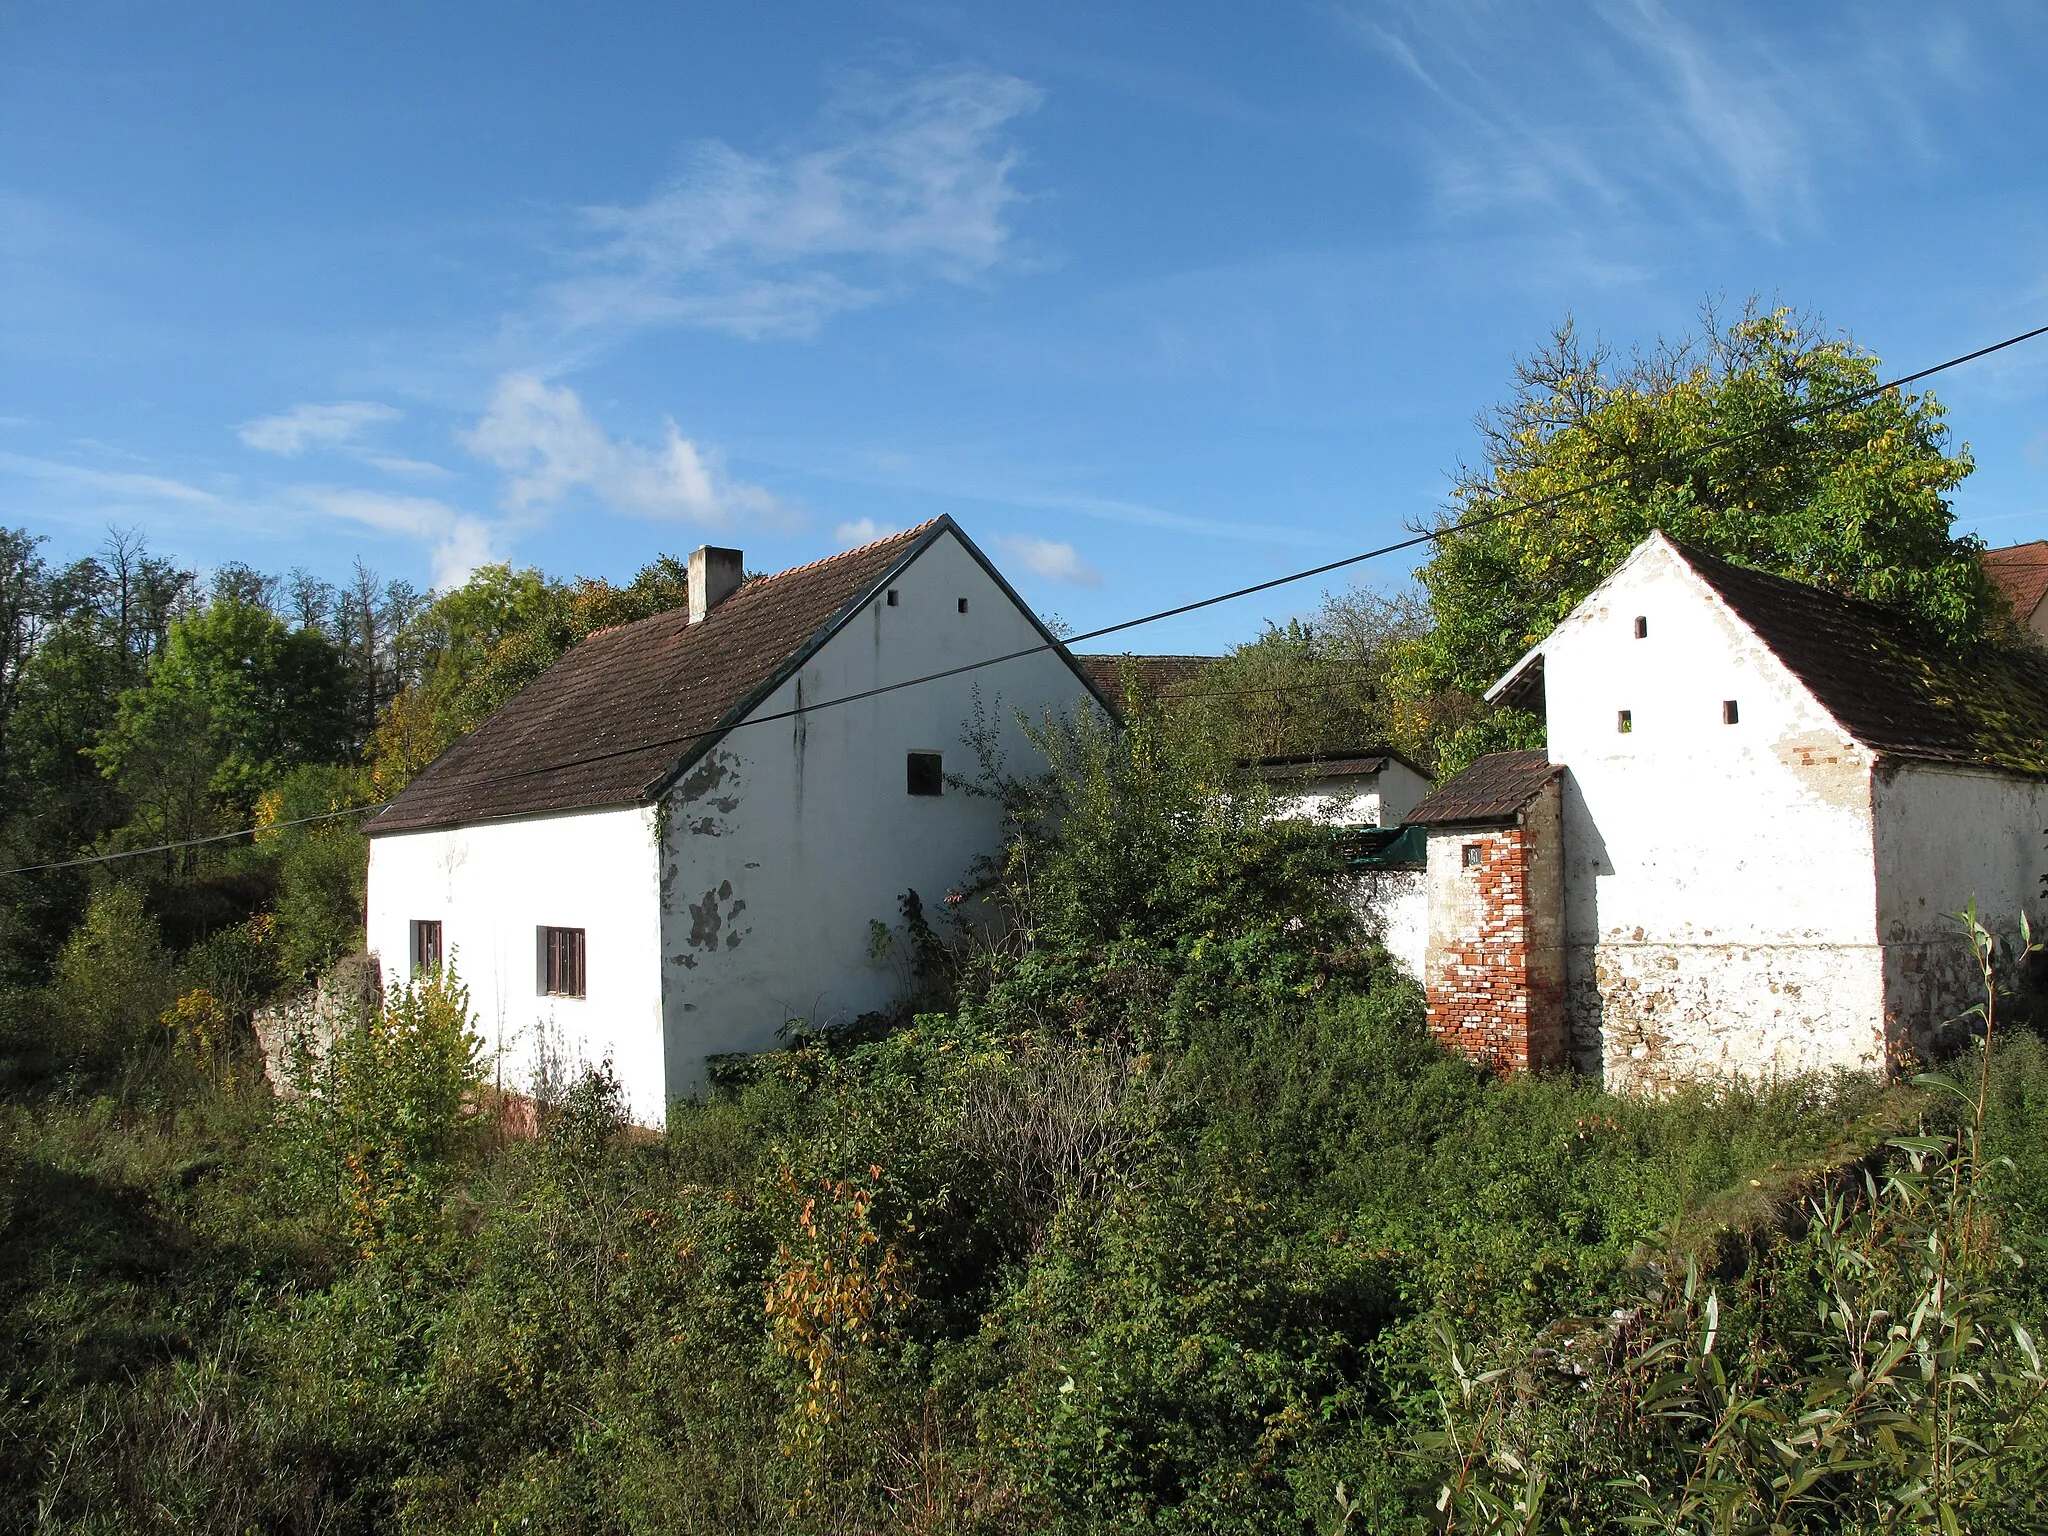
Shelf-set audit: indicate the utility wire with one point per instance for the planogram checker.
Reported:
(1541, 504)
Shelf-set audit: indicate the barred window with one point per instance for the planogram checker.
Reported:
(561, 962)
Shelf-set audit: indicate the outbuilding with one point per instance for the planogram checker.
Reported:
(1770, 804)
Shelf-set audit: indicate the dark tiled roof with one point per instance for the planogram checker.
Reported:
(1154, 675)
(1889, 687)
(607, 722)
(1492, 789)
(2020, 571)
(1308, 767)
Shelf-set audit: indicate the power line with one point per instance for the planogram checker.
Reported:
(1501, 514)
(1541, 504)
(191, 842)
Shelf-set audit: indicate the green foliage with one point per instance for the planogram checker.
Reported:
(1147, 884)
(1686, 439)
(376, 1114)
(113, 981)
(322, 866)
(235, 700)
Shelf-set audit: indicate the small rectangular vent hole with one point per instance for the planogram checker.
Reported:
(1730, 715)
(1475, 855)
(1624, 721)
(892, 597)
(1642, 627)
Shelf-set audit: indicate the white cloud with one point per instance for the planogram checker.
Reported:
(1643, 110)
(862, 531)
(906, 183)
(540, 435)
(461, 541)
(1043, 557)
(112, 482)
(334, 425)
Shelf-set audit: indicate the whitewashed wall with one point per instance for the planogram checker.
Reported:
(1381, 799)
(1947, 837)
(792, 837)
(1720, 886)
(1393, 907)
(492, 887)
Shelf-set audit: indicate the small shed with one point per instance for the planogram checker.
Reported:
(1494, 963)
(1369, 787)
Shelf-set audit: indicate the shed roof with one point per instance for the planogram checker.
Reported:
(2020, 571)
(1495, 788)
(627, 708)
(1311, 766)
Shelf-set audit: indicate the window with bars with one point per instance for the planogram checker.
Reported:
(426, 946)
(561, 962)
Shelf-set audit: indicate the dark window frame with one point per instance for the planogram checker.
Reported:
(562, 962)
(428, 953)
(925, 773)
(1475, 855)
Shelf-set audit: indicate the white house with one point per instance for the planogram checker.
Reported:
(1760, 806)
(1376, 788)
(677, 839)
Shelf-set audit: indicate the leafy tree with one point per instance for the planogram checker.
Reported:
(1692, 438)
(471, 649)
(236, 699)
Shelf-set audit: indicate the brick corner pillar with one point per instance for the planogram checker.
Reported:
(1494, 970)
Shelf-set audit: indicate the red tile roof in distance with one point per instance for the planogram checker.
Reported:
(2020, 571)
(1493, 789)
(610, 720)
(1154, 675)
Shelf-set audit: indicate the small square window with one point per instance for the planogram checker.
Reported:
(963, 605)
(927, 773)
(1624, 721)
(1730, 714)
(1642, 627)
(426, 947)
(561, 962)
(892, 597)
(1475, 855)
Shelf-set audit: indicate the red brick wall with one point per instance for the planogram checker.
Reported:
(1495, 990)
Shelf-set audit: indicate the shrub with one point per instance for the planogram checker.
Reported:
(114, 979)
(375, 1118)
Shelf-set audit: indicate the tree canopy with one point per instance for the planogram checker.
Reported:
(1760, 440)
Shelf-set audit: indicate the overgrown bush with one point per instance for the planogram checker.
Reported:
(374, 1115)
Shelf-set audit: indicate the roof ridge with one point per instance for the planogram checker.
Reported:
(848, 554)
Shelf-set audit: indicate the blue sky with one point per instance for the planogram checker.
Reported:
(1156, 300)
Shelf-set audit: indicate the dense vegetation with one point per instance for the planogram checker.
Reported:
(1153, 1207)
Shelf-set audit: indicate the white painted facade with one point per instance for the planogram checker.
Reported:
(1382, 798)
(1393, 908)
(1761, 897)
(746, 899)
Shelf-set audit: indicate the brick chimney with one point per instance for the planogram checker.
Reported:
(715, 575)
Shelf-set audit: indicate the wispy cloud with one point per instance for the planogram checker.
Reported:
(1044, 557)
(542, 438)
(108, 482)
(898, 185)
(460, 541)
(333, 425)
(861, 531)
(1720, 121)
